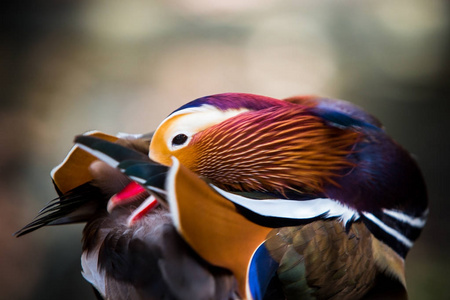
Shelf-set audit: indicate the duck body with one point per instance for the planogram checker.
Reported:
(303, 198)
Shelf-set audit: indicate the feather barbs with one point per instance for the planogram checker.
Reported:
(187, 122)
(275, 150)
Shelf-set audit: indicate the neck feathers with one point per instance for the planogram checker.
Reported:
(273, 150)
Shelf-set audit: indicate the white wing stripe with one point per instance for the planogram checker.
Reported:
(293, 209)
(418, 222)
(400, 237)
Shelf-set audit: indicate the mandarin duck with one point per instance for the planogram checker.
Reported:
(302, 198)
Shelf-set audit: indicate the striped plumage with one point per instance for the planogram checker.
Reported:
(275, 150)
(306, 198)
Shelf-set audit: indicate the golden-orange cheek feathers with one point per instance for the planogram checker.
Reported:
(188, 123)
(271, 150)
(159, 148)
(160, 152)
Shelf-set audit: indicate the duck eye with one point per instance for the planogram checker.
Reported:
(179, 139)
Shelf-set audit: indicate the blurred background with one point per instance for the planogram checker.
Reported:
(67, 67)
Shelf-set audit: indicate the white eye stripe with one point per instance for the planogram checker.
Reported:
(193, 120)
(202, 108)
